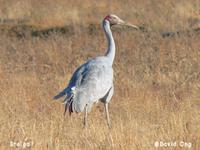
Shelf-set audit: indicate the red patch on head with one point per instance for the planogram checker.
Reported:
(107, 18)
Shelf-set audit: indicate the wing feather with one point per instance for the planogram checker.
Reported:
(92, 83)
(89, 83)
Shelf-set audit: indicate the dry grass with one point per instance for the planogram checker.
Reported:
(157, 80)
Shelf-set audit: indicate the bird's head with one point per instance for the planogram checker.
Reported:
(115, 20)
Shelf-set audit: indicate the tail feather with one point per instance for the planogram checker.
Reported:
(68, 100)
(65, 109)
(69, 105)
(61, 94)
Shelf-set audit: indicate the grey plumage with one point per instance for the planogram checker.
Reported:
(90, 82)
(93, 81)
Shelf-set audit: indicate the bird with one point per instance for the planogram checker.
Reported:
(93, 81)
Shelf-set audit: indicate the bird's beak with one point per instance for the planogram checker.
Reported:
(131, 25)
(121, 22)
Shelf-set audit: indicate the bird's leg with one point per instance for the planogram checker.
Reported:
(85, 117)
(107, 115)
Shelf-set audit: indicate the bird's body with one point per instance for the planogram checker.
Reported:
(92, 81)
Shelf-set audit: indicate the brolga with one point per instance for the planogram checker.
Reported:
(93, 81)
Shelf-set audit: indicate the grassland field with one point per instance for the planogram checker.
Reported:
(157, 74)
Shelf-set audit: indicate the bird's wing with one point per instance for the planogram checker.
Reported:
(74, 81)
(78, 75)
(92, 83)
(89, 83)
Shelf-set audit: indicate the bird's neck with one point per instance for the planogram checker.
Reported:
(111, 43)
